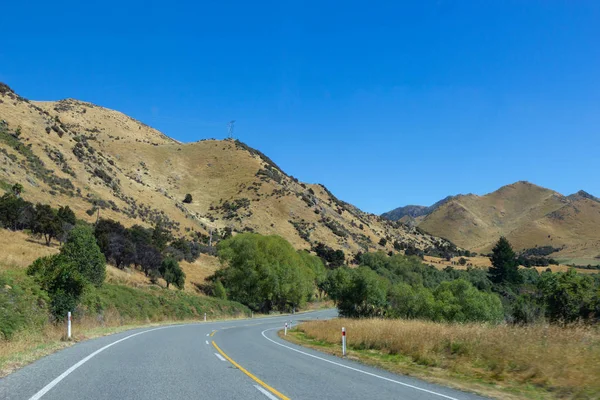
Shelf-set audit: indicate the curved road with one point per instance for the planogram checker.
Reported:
(243, 359)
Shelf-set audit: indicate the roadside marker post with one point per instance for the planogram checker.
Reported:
(69, 325)
(285, 330)
(343, 342)
(204, 317)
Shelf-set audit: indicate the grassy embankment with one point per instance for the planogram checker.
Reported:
(126, 300)
(26, 333)
(509, 362)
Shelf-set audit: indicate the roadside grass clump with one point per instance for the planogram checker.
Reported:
(558, 361)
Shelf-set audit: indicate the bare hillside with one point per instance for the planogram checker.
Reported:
(100, 161)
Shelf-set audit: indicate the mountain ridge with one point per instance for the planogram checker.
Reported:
(93, 158)
(527, 214)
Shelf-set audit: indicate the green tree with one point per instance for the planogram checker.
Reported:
(65, 214)
(410, 302)
(46, 223)
(264, 272)
(82, 250)
(459, 301)
(504, 269)
(61, 279)
(188, 198)
(462, 261)
(219, 290)
(172, 273)
(364, 296)
(160, 236)
(17, 189)
(568, 295)
(382, 242)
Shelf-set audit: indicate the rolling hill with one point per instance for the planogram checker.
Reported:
(102, 162)
(527, 214)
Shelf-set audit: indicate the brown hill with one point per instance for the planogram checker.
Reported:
(91, 158)
(528, 215)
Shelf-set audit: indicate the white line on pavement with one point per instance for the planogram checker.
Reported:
(355, 369)
(265, 392)
(206, 341)
(220, 357)
(62, 376)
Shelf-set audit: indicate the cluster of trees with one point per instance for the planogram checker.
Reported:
(331, 258)
(41, 219)
(529, 296)
(400, 286)
(266, 273)
(154, 251)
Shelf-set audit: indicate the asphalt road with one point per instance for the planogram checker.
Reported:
(243, 359)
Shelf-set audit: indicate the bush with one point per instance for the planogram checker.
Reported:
(188, 198)
(82, 250)
(61, 279)
(264, 272)
(219, 291)
(172, 273)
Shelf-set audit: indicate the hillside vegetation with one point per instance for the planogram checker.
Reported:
(528, 215)
(101, 162)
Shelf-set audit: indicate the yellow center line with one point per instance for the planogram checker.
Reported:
(213, 333)
(261, 383)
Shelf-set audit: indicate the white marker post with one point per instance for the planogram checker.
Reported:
(69, 325)
(343, 342)
(285, 331)
(204, 317)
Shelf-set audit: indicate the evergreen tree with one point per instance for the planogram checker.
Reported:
(172, 273)
(505, 268)
(82, 250)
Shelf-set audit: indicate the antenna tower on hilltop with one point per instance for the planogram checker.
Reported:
(230, 128)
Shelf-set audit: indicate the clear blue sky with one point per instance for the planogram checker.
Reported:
(386, 103)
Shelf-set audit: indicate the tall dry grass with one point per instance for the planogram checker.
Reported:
(564, 360)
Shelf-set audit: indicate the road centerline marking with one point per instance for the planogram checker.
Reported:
(254, 378)
(220, 357)
(206, 341)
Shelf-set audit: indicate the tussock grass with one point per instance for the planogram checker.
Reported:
(562, 362)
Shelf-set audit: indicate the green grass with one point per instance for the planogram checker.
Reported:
(24, 305)
(5, 186)
(156, 304)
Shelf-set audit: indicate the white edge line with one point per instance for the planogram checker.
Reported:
(355, 369)
(62, 376)
(220, 357)
(206, 341)
(266, 393)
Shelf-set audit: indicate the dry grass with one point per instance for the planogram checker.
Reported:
(553, 361)
(18, 250)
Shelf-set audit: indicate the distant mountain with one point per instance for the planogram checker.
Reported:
(527, 214)
(413, 211)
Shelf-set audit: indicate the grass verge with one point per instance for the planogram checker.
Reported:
(27, 334)
(508, 362)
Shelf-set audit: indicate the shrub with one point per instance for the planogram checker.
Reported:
(188, 198)
(81, 249)
(172, 273)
